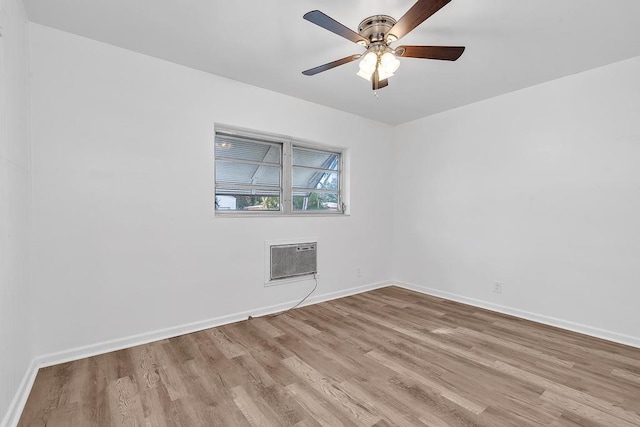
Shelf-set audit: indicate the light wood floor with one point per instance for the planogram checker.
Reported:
(386, 357)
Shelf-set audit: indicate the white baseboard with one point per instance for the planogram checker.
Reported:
(161, 334)
(15, 410)
(12, 416)
(547, 320)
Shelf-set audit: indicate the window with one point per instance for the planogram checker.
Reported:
(259, 173)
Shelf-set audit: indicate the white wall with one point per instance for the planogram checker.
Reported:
(125, 240)
(538, 189)
(15, 309)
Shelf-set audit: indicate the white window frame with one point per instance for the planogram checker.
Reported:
(286, 173)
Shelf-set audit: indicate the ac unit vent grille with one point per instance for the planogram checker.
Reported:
(293, 260)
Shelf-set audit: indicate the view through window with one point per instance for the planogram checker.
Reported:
(255, 173)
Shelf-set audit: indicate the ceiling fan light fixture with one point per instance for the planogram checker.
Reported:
(369, 62)
(383, 75)
(368, 65)
(389, 63)
(366, 76)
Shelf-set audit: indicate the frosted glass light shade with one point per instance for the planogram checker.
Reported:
(389, 63)
(368, 64)
(387, 66)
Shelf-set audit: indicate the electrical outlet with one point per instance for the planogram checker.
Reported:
(358, 272)
(497, 287)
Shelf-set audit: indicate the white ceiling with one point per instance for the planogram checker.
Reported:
(510, 44)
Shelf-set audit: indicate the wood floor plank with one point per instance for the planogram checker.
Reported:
(319, 409)
(388, 357)
(430, 403)
(392, 410)
(331, 388)
(584, 410)
(627, 375)
(124, 402)
(444, 391)
(249, 408)
(226, 345)
(267, 328)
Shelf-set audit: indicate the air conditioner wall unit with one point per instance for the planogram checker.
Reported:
(291, 261)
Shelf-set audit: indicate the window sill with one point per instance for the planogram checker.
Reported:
(219, 214)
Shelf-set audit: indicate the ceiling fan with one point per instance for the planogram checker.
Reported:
(376, 33)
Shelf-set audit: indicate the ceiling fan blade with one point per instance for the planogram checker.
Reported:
(330, 65)
(446, 53)
(383, 83)
(334, 26)
(415, 16)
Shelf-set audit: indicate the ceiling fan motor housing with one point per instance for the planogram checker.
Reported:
(374, 28)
